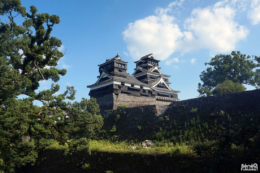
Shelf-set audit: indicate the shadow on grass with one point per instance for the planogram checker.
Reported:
(52, 160)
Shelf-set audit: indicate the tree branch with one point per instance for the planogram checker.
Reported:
(39, 69)
(34, 98)
(30, 71)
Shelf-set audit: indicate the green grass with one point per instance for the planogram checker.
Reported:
(122, 147)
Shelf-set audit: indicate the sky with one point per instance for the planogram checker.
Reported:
(182, 34)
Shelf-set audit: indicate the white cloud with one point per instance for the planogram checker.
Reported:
(254, 13)
(173, 60)
(68, 84)
(193, 61)
(213, 28)
(157, 34)
(168, 9)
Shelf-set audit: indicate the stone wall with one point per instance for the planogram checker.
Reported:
(105, 102)
(136, 101)
(235, 102)
(241, 101)
(148, 118)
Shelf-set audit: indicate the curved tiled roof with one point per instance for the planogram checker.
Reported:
(117, 58)
(166, 90)
(128, 79)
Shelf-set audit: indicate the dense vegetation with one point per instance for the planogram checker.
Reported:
(28, 55)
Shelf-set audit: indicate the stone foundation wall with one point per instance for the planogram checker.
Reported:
(149, 117)
(135, 101)
(247, 101)
(105, 102)
(241, 101)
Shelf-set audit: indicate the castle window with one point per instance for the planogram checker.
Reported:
(120, 65)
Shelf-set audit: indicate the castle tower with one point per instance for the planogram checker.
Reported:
(147, 85)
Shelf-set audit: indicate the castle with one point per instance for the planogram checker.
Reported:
(146, 86)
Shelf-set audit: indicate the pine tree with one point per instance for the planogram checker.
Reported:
(26, 129)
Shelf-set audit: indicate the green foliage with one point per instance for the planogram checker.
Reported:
(228, 86)
(108, 171)
(113, 130)
(118, 116)
(193, 110)
(121, 107)
(26, 129)
(80, 145)
(236, 67)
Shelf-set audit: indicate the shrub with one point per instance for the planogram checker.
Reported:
(228, 86)
(193, 110)
(113, 129)
(121, 107)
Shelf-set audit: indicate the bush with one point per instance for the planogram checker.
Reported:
(113, 130)
(121, 107)
(228, 86)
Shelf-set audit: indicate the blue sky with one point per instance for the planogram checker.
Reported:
(182, 34)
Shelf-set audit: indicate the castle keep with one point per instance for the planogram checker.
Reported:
(147, 85)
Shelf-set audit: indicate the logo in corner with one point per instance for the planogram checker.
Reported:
(252, 167)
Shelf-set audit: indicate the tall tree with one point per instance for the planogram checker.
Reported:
(26, 129)
(236, 67)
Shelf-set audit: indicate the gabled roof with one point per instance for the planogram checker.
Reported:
(155, 68)
(161, 80)
(102, 76)
(158, 81)
(116, 58)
